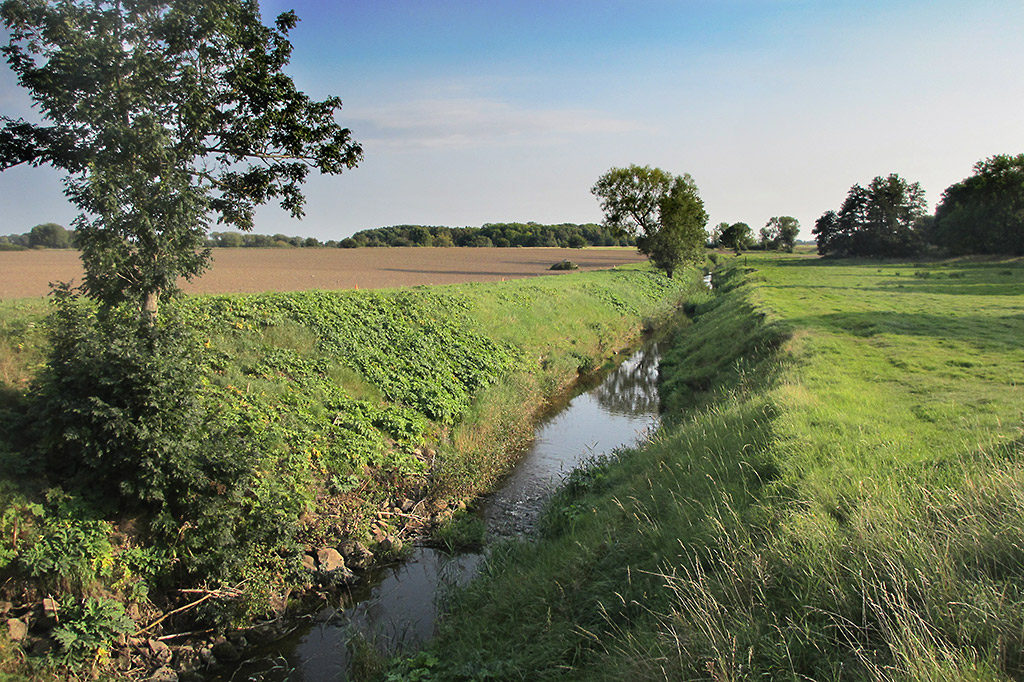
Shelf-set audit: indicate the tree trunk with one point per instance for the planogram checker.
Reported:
(150, 303)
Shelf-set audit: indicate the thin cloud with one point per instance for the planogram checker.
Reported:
(473, 122)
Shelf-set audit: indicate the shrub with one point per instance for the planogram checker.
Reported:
(564, 265)
(116, 403)
(120, 416)
(88, 628)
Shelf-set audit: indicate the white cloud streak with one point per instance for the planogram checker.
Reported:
(476, 122)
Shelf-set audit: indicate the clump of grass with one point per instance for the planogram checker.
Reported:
(462, 532)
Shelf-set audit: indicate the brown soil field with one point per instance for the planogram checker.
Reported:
(25, 274)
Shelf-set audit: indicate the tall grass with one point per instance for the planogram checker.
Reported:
(837, 494)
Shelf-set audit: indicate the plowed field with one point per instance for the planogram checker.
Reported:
(26, 274)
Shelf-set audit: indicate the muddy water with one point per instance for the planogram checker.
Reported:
(399, 606)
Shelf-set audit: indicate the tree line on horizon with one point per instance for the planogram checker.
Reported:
(982, 214)
(564, 235)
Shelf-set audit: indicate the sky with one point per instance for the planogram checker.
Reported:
(491, 110)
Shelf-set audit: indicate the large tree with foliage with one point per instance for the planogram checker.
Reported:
(780, 233)
(877, 220)
(163, 113)
(49, 236)
(663, 211)
(737, 236)
(985, 212)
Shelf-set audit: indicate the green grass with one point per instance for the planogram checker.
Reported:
(330, 403)
(838, 493)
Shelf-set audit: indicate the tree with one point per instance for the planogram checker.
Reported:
(715, 239)
(664, 212)
(780, 233)
(163, 113)
(985, 212)
(737, 236)
(878, 220)
(50, 236)
(826, 232)
(228, 239)
(682, 235)
(630, 198)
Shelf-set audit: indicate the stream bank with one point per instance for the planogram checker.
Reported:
(398, 606)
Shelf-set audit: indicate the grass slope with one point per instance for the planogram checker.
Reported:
(838, 493)
(335, 404)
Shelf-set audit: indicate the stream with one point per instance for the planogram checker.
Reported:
(398, 606)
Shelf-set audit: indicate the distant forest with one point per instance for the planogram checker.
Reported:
(566, 235)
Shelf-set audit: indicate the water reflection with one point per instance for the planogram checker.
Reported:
(628, 390)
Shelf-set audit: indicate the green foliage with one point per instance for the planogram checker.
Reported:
(69, 549)
(418, 348)
(985, 212)
(490, 234)
(122, 395)
(463, 531)
(152, 145)
(568, 504)
(49, 236)
(877, 220)
(737, 237)
(630, 197)
(564, 265)
(119, 395)
(89, 627)
(74, 551)
(664, 212)
(780, 233)
(17, 517)
(681, 237)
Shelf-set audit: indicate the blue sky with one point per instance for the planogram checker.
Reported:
(487, 111)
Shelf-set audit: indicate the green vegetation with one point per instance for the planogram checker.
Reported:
(565, 235)
(985, 212)
(45, 236)
(738, 237)
(836, 494)
(153, 144)
(779, 234)
(564, 265)
(663, 212)
(272, 424)
(878, 220)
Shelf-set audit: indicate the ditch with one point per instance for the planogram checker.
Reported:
(399, 606)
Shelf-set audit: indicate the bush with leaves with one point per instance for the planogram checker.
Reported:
(120, 416)
(89, 627)
(116, 404)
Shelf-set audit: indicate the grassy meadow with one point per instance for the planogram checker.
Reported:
(837, 494)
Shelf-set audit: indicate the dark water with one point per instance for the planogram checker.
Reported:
(398, 607)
